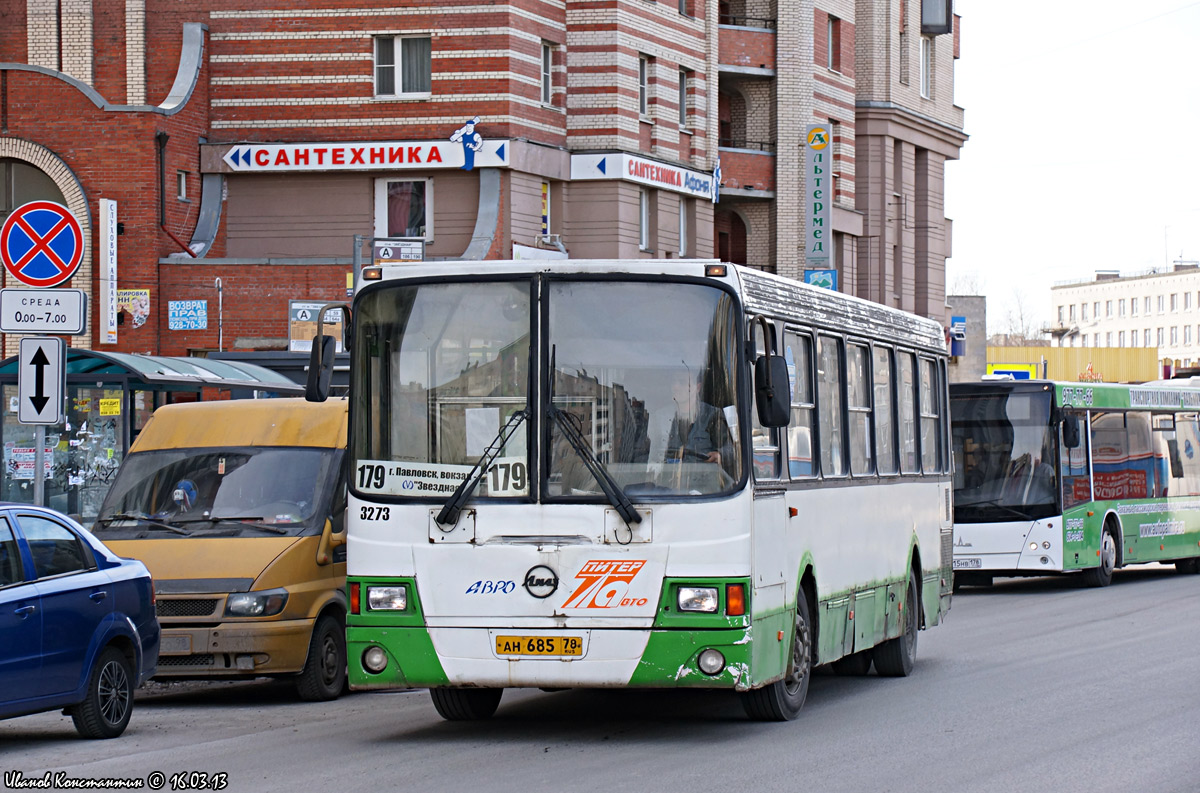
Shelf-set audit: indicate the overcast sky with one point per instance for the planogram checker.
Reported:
(1084, 149)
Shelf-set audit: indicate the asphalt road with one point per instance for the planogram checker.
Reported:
(1032, 685)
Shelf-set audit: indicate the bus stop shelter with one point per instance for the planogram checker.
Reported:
(109, 398)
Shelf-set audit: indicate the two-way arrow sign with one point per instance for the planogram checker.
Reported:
(41, 380)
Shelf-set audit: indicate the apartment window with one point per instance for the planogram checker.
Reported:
(1083, 340)
(1108, 339)
(1147, 304)
(1133, 338)
(1174, 302)
(833, 43)
(926, 67)
(181, 185)
(1174, 335)
(402, 65)
(1060, 315)
(1108, 308)
(1187, 335)
(1072, 312)
(683, 89)
(547, 83)
(683, 8)
(1133, 307)
(1095, 339)
(1074, 340)
(1187, 301)
(643, 85)
(404, 208)
(1159, 336)
(1121, 307)
(1161, 303)
(644, 219)
(1083, 312)
(1121, 338)
(1146, 336)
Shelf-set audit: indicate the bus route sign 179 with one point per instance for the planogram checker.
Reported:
(54, 311)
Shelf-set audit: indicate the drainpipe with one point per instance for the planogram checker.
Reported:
(161, 138)
(220, 317)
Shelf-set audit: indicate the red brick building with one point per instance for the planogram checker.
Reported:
(247, 143)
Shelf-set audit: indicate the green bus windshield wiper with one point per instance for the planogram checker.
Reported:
(449, 513)
(141, 519)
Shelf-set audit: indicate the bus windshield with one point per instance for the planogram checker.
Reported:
(644, 372)
(235, 491)
(1004, 453)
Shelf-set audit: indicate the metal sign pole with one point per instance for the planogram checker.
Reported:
(39, 462)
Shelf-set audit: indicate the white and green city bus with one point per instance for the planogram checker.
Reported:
(1074, 477)
(658, 474)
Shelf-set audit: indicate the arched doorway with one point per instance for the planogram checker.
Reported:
(730, 230)
(21, 183)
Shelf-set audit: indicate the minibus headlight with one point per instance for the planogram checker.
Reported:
(698, 598)
(256, 604)
(387, 598)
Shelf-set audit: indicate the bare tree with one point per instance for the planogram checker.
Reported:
(968, 283)
(1020, 327)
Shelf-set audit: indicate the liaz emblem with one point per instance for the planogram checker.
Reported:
(604, 585)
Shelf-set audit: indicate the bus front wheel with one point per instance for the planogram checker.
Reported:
(783, 699)
(1101, 575)
(466, 704)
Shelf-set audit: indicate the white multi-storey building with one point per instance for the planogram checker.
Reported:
(1149, 309)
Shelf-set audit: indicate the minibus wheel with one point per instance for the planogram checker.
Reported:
(324, 672)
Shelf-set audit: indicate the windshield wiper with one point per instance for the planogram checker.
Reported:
(996, 503)
(449, 513)
(612, 491)
(253, 521)
(141, 519)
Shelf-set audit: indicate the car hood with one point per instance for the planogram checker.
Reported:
(197, 558)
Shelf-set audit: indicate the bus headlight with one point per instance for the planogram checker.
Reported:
(698, 598)
(387, 598)
(256, 604)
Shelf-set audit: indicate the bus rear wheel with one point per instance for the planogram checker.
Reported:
(896, 657)
(466, 704)
(1101, 574)
(783, 699)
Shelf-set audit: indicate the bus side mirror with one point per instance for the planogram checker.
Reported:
(1070, 431)
(320, 369)
(771, 391)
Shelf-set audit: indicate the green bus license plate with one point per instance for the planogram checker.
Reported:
(539, 645)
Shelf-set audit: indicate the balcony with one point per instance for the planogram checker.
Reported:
(747, 46)
(747, 168)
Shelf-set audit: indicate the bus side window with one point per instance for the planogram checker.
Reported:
(829, 406)
(907, 388)
(798, 354)
(885, 412)
(1187, 445)
(765, 440)
(930, 418)
(858, 392)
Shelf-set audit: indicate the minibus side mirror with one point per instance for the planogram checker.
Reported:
(320, 369)
(329, 540)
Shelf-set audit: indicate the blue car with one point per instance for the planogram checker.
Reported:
(78, 628)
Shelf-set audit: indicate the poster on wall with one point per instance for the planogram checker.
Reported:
(136, 302)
